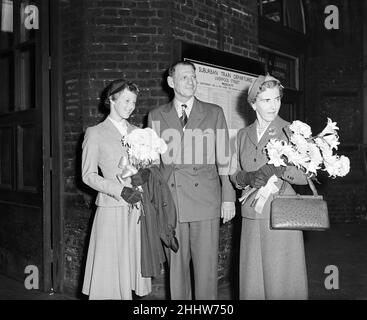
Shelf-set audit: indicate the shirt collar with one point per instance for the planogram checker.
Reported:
(188, 109)
(121, 127)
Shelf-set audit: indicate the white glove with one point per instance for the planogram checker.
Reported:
(228, 211)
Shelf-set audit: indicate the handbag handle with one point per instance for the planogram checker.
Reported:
(312, 186)
(310, 183)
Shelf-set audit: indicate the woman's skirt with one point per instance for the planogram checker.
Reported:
(113, 266)
(272, 263)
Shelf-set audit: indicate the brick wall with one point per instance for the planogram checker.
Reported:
(73, 41)
(333, 88)
(228, 25)
(105, 40)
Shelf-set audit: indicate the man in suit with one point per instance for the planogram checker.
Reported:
(196, 170)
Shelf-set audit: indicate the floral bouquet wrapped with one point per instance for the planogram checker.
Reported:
(306, 152)
(143, 148)
(310, 153)
(158, 213)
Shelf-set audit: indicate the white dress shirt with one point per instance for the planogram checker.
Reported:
(178, 106)
(120, 126)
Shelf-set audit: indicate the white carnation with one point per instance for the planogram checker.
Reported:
(312, 167)
(344, 166)
(337, 166)
(300, 142)
(301, 128)
(137, 137)
(310, 153)
(144, 147)
(275, 152)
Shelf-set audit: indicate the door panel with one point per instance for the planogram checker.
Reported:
(27, 166)
(24, 111)
(6, 159)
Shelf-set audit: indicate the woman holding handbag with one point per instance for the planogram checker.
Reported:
(272, 262)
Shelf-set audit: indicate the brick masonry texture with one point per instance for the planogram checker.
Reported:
(229, 25)
(106, 40)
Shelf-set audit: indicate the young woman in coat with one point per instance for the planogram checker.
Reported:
(113, 268)
(272, 262)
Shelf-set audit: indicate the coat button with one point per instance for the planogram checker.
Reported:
(172, 185)
(196, 184)
(255, 160)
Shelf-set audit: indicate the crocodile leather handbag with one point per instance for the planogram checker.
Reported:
(299, 212)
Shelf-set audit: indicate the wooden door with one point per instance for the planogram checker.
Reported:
(25, 214)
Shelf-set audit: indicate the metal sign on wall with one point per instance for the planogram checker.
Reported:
(226, 88)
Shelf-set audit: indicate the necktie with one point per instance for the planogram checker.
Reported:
(183, 117)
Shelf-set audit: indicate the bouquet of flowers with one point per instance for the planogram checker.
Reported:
(158, 214)
(143, 149)
(310, 153)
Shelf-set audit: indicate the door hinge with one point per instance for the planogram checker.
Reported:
(49, 62)
(50, 163)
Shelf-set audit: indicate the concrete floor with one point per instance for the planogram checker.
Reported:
(343, 246)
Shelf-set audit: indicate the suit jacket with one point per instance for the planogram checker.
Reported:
(102, 148)
(194, 158)
(251, 157)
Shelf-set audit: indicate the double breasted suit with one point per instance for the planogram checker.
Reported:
(113, 263)
(272, 262)
(196, 169)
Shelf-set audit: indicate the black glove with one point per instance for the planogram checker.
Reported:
(259, 178)
(244, 178)
(131, 195)
(140, 177)
(269, 169)
(169, 239)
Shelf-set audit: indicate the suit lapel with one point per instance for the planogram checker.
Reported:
(110, 129)
(274, 131)
(170, 116)
(251, 133)
(112, 137)
(197, 114)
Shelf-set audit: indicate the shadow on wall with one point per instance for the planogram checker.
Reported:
(244, 109)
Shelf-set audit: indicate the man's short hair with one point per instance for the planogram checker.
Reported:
(172, 69)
